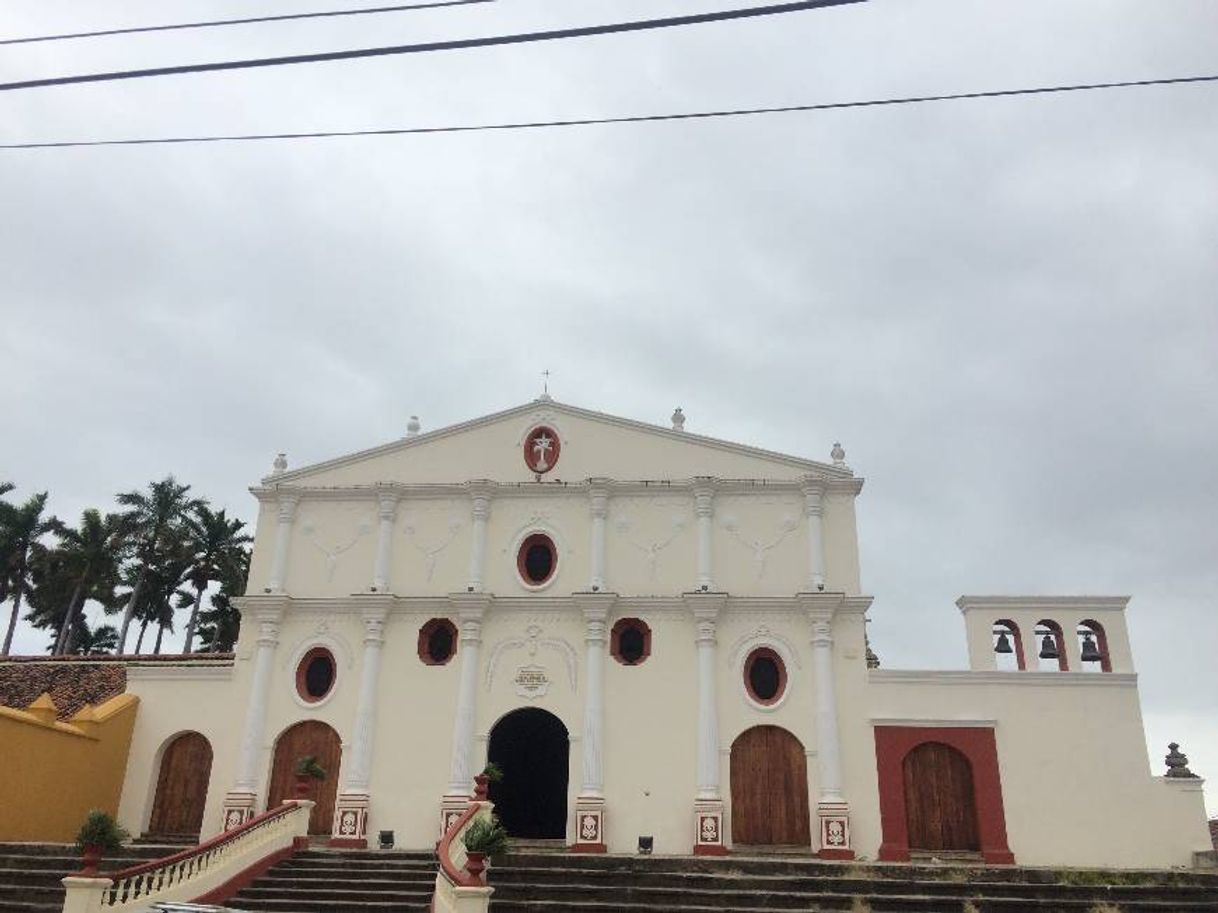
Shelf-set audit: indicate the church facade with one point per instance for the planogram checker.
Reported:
(659, 639)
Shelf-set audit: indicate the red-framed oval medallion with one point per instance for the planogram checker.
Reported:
(541, 447)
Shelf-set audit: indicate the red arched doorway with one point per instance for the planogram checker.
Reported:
(181, 787)
(940, 804)
(311, 737)
(769, 789)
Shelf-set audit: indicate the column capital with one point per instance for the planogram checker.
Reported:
(374, 628)
(286, 502)
(813, 488)
(594, 605)
(481, 491)
(705, 608)
(704, 495)
(598, 496)
(470, 609)
(387, 500)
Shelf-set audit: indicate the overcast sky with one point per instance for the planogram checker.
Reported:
(1005, 310)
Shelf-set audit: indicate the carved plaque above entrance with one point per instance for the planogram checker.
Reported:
(531, 682)
(541, 447)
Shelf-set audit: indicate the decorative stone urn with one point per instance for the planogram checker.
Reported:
(90, 857)
(481, 783)
(475, 864)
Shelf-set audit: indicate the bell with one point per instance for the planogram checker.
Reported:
(1004, 644)
(1091, 653)
(1048, 647)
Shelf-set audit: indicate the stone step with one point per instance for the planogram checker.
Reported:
(311, 894)
(348, 905)
(851, 902)
(288, 879)
(336, 865)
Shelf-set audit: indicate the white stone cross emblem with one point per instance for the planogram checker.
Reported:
(541, 447)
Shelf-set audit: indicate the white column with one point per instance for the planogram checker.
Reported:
(240, 801)
(831, 807)
(461, 775)
(481, 496)
(599, 498)
(590, 804)
(351, 811)
(708, 802)
(387, 511)
(704, 508)
(283, 541)
(814, 490)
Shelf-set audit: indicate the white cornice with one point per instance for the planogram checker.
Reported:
(180, 673)
(828, 470)
(971, 677)
(1073, 603)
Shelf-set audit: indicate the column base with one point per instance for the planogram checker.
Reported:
(452, 805)
(708, 828)
(834, 820)
(589, 825)
(351, 820)
(240, 805)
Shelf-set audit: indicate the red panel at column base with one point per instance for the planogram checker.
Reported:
(998, 857)
(834, 853)
(348, 843)
(588, 848)
(890, 852)
(709, 849)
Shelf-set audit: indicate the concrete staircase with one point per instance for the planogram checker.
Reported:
(336, 881)
(30, 873)
(623, 884)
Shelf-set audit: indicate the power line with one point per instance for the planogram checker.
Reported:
(458, 44)
(634, 119)
(218, 22)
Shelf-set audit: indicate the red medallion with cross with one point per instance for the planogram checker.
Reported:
(541, 448)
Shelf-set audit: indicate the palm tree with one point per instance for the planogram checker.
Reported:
(219, 548)
(150, 518)
(23, 526)
(220, 624)
(94, 641)
(92, 553)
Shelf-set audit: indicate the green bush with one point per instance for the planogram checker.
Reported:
(308, 767)
(101, 830)
(486, 836)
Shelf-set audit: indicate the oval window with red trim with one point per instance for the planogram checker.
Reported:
(315, 675)
(537, 559)
(765, 676)
(437, 642)
(630, 641)
(541, 446)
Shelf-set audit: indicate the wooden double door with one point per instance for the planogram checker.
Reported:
(769, 789)
(311, 737)
(940, 803)
(181, 787)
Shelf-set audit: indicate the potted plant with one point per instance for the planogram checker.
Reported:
(307, 769)
(98, 835)
(485, 837)
(492, 773)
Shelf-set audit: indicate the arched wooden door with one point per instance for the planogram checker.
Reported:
(181, 787)
(940, 805)
(769, 789)
(311, 737)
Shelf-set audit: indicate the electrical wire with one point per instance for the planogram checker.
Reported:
(452, 45)
(634, 119)
(253, 19)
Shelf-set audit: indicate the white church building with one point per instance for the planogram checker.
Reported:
(653, 634)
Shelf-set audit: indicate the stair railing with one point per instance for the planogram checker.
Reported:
(211, 871)
(457, 889)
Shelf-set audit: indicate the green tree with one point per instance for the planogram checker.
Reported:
(152, 517)
(22, 526)
(220, 624)
(219, 550)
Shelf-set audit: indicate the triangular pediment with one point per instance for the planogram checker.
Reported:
(591, 445)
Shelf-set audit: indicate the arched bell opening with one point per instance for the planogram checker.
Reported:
(1008, 646)
(531, 747)
(1093, 647)
(1052, 653)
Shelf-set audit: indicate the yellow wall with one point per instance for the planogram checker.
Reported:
(54, 772)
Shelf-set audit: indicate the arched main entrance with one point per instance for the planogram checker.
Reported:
(531, 747)
(311, 737)
(181, 787)
(769, 789)
(940, 805)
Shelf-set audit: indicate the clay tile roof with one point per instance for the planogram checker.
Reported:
(70, 685)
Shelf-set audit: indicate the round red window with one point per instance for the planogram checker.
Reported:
(541, 448)
(315, 675)
(765, 676)
(537, 559)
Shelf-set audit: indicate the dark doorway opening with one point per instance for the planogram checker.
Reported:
(531, 747)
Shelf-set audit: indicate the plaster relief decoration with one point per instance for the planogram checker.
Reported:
(336, 551)
(531, 682)
(759, 548)
(532, 643)
(763, 636)
(431, 551)
(651, 551)
(541, 449)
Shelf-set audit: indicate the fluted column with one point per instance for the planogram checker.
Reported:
(283, 539)
(351, 808)
(241, 801)
(481, 512)
(590, 804)
(831, 808)
(386, 511)
(599, 508)
(704, 509)
(708, 802)
(814, 490)
(469, 610)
